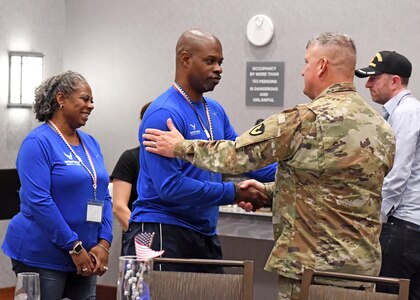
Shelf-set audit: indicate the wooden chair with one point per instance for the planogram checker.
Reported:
(310, 290)
(168, 285)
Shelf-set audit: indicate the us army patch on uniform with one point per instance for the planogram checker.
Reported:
(257, 130)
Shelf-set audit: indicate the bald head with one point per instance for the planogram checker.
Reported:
(199, 57)
(194, 40)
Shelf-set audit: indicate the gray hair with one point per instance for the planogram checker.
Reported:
(333, 39)
(340, 47)
(45, 102)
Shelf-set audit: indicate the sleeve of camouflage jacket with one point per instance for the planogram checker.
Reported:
(276, 139)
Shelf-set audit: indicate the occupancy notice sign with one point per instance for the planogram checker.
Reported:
(264, 83)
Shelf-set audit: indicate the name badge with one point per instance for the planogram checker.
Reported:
(94, 211)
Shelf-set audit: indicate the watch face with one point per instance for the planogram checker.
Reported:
(78, 248)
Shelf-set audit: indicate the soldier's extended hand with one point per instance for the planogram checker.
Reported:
(248, 206)
(251, 196)
(162, 142)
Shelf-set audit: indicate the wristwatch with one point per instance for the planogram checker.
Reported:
(77, 248)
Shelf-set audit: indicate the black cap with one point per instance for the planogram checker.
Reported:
(389, 62)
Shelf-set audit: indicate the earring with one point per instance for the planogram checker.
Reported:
(61, 106)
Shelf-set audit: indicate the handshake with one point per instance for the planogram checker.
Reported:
(251, 195)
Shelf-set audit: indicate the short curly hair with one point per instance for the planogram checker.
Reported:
(45, 105)
(144, 108)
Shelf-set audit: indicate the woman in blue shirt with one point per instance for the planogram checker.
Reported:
(64, 228)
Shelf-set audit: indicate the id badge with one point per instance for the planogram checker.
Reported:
(94, 211)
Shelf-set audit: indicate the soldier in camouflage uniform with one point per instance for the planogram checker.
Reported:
(332, 154)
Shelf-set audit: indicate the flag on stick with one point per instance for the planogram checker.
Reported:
(143, 241)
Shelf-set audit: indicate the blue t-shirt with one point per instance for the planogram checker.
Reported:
(173, 191)
(55, 190)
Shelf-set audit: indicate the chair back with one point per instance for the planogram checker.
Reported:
(167, 285)
(313, 291)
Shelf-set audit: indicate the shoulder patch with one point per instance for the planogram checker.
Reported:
(257, 130)
(262, 132)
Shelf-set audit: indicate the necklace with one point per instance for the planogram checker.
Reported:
(93, 173)
(188, 99)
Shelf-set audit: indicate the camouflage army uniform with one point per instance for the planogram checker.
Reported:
(332, 154)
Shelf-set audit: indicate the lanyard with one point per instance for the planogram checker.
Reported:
(186, 97)
(404, 96)
(387, 114)
(93, 173)
(210, 136)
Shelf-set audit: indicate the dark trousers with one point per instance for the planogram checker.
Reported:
(178, 242)
(400, 242)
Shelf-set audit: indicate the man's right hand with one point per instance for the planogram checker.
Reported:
(162, 142)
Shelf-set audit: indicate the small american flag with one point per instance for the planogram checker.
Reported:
(143, 241)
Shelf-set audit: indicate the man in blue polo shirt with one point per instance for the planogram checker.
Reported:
(177, 201)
